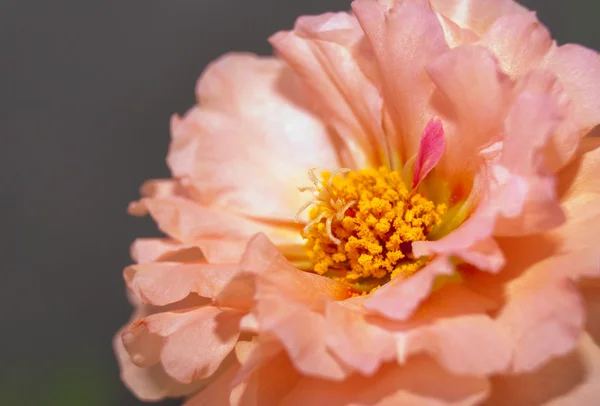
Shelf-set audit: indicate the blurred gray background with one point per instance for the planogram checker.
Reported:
(86, 92)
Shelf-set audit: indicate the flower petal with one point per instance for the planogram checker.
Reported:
(405, 39)
(357, 343)
(573, 379)
(181, 356)
(399, 299)
(431, 150)
(519, 41)
(267, 384)
(302, 333)
(252, 139)
(578, 70)
(419, 382)
(540, 305)
(150, 384)
(188, 222)
(529, 126)
(477, 15)
(329, 53)
(163, 283)
(218, 393)
(451, 342)
(478, 95)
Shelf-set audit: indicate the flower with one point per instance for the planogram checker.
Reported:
(447, 250)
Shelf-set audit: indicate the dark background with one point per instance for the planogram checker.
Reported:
(86, 92)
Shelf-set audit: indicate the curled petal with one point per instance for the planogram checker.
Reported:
(519, 41)
(163, 283)
(251, 138)
(359, 344)
(541, 306)
(328, 53)
(394, 385)
(430, 152)
(181, 356)
(451, 342)
(397, 37)
(572, 379)
(150, 384)
(400, 298)
(187, 222)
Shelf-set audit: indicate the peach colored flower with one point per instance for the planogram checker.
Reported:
(447, 253)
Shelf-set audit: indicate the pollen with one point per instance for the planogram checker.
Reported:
(362, 224)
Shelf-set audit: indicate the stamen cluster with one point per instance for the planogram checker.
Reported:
(362, 224)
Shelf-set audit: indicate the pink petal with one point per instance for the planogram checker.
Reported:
(267, 384)
(357, 343)
(252, 138)
(182, 356)
(409, 36)
(163, 188)
(578, 70)
(431, 150)
(472, 241)
(519, 41)
(590, 291)
(475, 96)
(420, 382)
(150, 384)
(287, 304)
(302, 333)
(329, 53)
(580, 176)
(187, 221)
(580, 193)
(571, 380)
(259, 352)
(399, 299)
(218, 393)
(451, 341)
(477, 15)
(213, 250)
(529, 127)
(163, 283)
(455, 34)
(540, 306)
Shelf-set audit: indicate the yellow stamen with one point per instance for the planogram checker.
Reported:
(361, 226)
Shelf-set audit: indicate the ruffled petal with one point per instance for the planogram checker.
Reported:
(519, 41)
(188, 222)
(150, 384)
(252, 139)
(529, 126)
(219, 391)
(302, 333)
(329, 53)
(578, 70)
(359, 344)
(399, 299)
(477, 96)
(540, 305)
(162, 283)
(451, 341)
(397, 36)
(472, 241)
(570, 380)
(476, 15)
(267, 383)
(419, 382)
(177, 334)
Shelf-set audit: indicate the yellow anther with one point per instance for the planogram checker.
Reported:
(362, 224)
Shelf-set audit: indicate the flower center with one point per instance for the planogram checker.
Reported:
(362, 224)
